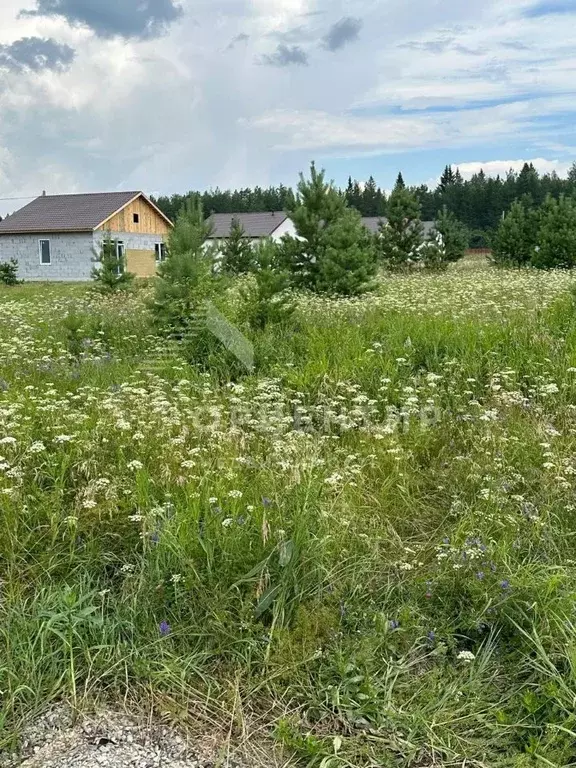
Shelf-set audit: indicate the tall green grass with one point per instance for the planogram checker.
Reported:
(367, 545)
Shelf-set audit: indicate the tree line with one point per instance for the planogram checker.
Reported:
(479, 203)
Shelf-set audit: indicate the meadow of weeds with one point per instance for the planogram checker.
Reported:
(367, 547)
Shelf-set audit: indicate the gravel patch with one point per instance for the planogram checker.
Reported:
(113, 740)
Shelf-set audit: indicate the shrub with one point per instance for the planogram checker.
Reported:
(109, 274)
(9, 273)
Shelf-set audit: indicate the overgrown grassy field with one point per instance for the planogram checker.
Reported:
(367, 548)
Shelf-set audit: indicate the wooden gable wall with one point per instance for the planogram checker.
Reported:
(150, 223)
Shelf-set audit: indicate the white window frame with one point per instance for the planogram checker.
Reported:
(120, 249)
(45, 263)
(160, 252)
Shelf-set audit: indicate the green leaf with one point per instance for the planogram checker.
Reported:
(266, 600)
(286, 552)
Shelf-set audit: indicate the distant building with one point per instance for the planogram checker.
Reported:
(372, 224)
(55, 237)
(256, 226)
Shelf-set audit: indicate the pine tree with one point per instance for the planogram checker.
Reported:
(401, 237)
(432, 253)
(454, 236)
(350, 192)
(9, 273)
(109, 273)
(370, 198)
(318, 205)
(557, 234)
(186, 276)
(266, 299)
(514, 242)
(400, 181)
(237, 254)
(447, 178)
(347, 260)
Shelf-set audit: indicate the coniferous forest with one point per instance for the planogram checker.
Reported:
(478, 202)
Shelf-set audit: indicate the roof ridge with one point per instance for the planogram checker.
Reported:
(91, 194)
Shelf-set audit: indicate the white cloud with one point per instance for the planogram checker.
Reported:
(190, 110)
(352, 133)
(501, 167)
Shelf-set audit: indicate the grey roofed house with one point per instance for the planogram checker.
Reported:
(255, 225)
(56, 237)
(372, 224)
(65, 213)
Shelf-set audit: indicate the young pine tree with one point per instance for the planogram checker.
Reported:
(9, 273)
(109, 274)
(266, 299)
(514, 241)
(401, 237)
(333, 252)
(238, 254)
(347, 261)
(454, 236)
(318, 205)
(432, 253)
(186, 277)
(557, 234)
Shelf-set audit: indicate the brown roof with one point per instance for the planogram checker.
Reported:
(66, 213)
(254, 224)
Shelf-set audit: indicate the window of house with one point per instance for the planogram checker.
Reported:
(160, 249)
(45, 255)
(136, 218)
(120, 255)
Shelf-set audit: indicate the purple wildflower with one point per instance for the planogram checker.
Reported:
(393, 624)
(480, 575)
(505, 584)
(165, 628)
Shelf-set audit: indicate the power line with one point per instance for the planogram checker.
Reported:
(30, 197)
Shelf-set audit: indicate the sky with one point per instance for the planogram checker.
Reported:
(171, 95)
